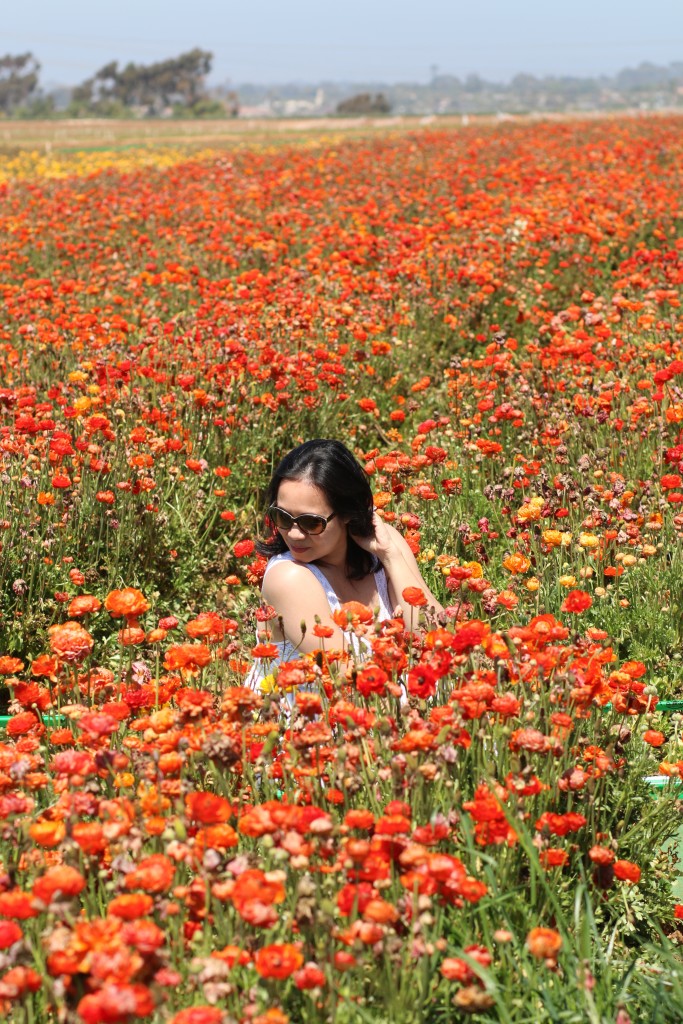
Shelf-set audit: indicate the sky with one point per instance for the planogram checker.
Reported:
(277, 41)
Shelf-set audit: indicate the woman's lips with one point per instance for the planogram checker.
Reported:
(297, 551)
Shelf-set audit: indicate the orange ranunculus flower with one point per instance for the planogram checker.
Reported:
(382, 498)
(294, 673)
(238, 701)
(155, 636)
(31, 695)
(190, 658)
(253, 887)
(116, 1002)
(61, 880)
(552, 858)
(232, 955)
(380, 911)
(415, 597)
(25, 721)
(268, 651)
(70, 642)
(216, 837)
(18, 981)
(544, 943)
(47, 833)
(601, 855)
(279, 961)
(469, 635)
(211, 626)
(360, 819)
(10, 932)
(273, 1015)
(90, 837)
(45, 665)
(131, 905)
(207, 808)
(16, 903)
(153, 874)
(84, 604)
(131, 635)
(10, 665)
(352, 614)
(129, 603)
(198, 1015)
(627, 871)
(654, 737)
(516, 563)
(553, 538)
(576, 601)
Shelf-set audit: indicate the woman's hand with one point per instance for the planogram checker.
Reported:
(382, 544)
(398, 562)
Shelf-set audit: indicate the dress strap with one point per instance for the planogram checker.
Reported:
(322, 579)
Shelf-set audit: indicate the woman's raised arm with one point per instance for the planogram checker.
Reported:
(399, 564)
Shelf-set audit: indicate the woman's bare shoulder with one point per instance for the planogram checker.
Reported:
(288, 573)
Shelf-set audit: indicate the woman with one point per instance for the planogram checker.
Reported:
(329, 547)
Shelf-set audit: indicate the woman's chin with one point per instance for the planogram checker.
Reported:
(300, 554)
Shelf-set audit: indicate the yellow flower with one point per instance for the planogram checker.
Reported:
(82, 404)
(269, 684)
(588, 540)
(567, 581)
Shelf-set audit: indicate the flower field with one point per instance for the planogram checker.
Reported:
(460, 826)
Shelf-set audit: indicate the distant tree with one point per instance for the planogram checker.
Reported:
(646, 75)
(38, 108)
(147, 88)
(216, 108)
(18, 80)
(473, 83)
(525, 84)
(364, 104)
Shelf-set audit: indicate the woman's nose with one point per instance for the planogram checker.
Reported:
(296, 531)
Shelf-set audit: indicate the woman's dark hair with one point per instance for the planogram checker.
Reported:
(333, 468)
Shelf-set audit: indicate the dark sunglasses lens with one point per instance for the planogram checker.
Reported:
(311, 524)
(282, 520)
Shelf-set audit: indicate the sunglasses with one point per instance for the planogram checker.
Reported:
(308, 523)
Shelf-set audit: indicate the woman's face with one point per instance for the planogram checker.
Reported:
(299, 497)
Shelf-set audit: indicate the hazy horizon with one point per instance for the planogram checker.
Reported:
(371, 41)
